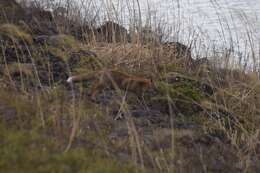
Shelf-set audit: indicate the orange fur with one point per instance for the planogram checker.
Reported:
(114, 79)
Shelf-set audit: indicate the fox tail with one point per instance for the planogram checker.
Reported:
(81, 77)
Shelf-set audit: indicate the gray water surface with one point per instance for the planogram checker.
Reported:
(219, 20)
(225, 24)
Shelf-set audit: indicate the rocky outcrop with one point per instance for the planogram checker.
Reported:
(111, 32)
(40, 21)
(11, 11)
(49, 59)
(178, 50)
(145, 35)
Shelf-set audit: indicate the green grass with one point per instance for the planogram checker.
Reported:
(30, 152)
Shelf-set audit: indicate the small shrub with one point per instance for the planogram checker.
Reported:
(65, 42)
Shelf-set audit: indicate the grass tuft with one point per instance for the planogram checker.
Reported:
(15, 33)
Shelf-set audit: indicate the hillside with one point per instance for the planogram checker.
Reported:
(196, 117)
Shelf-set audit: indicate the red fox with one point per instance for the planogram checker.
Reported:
(114, 79)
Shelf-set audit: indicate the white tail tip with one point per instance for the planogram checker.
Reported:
(69, 80)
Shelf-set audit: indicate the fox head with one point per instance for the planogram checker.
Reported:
(149, 84)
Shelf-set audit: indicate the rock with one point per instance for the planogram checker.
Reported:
(174, 77)
(41, 39)
(64, 54)
(11, 11)
(83, 32)
(60, 41)
(82, 55)
(207, 89)
(40, 21)
(178, 50)
(218, 156)
(201, 61)
(10, 55)
(148, 35)
(54, 61)
(16, 54)
(59, 69)
(19, 74)
(111, 32)
(13, 35)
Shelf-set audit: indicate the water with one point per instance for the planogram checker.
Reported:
(219, 20)
(228, 24)
(232, 25)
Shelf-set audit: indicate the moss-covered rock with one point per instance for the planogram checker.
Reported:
(20, 74)
(66, 48)
(14, 33)
(83, 61)
(11, 11)
(63, 41)
(55, 56)
(184, 94)
(177, 78)
(165, 68)
(16, 69)
(185, 91)
(40, 21)
(60, 46)
(62, 54)
(16, 44)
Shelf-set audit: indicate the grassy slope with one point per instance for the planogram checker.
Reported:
(49, 130)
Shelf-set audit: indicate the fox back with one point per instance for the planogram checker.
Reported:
(113, 79)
